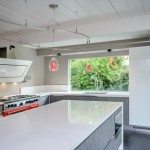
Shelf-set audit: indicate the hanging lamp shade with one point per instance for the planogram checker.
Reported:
(89, 68)
(53, 65)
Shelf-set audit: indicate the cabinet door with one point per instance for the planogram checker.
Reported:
(69, 97)
(56, 98)
(125, 101)
(100, 137)
(114, 143)
(100, 98)
(44, 100)
(83, 97)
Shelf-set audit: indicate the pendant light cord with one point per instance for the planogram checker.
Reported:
(54, 32)
(26, 13)
(76, 22)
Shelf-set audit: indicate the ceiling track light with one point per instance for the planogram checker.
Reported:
(11, 47)
(109, 50)
(26, 20)
(76, 31)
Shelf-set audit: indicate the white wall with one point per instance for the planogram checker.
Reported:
(139, 86)
(36, 72)
(61, 76)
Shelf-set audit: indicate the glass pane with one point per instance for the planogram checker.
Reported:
(108, 74)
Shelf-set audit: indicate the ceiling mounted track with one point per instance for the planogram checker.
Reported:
(76, 31)
(26, 19)
(52, 6)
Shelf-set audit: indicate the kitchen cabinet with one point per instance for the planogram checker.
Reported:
(104, 138)
(114, 142)
(95, 121)
(44, 100)
(125, 101)
(69, 97)
(83, 97)
(55, 98)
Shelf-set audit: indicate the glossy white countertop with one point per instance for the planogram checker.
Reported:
(108, 94)
(59, 126)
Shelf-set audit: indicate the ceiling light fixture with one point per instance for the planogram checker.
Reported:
(53, 64)
(26, 19)
(11, 47)
(109, 50)
(76, 31)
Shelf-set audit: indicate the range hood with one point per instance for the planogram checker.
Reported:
(13, 70)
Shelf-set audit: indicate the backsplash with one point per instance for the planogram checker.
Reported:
(44, 88)
(9, 89)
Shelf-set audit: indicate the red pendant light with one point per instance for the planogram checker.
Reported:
(89, 68)
(53, 65)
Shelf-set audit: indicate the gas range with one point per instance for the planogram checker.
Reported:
(18, 103)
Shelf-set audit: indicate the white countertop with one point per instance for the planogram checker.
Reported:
(59, 126)
(108, 94)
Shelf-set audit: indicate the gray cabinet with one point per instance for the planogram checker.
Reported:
(114, 143)
(69, 97)
(44, 100)
(125, 101)
(99, 98)
(103, 137)
(83, 97)
(56, 98)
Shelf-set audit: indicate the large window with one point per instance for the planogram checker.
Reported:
(105, 74)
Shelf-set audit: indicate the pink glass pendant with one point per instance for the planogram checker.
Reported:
(53, 65)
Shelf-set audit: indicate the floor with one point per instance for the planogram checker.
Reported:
(134, 140)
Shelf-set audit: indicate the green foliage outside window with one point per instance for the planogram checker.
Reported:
(107, 74)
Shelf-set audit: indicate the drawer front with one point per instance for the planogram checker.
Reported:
(69, 97)
(84, 97)
(55, 98)
(114, 143)
(125, 106)
(100, 137)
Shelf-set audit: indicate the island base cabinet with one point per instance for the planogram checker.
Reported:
(100, 138)
(114, 143)
(125, 101)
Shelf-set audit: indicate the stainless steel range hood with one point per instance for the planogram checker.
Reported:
(13, 70)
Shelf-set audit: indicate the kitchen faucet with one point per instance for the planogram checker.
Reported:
(96, 84)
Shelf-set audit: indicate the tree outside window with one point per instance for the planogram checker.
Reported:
(108, 74)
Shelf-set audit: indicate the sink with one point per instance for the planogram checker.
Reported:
(96, 92)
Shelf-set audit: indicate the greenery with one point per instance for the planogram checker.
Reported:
(108, 73)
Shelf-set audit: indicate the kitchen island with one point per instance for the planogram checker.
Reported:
(64, 125)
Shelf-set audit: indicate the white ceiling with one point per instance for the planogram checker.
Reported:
(89, 11)
(39, 13)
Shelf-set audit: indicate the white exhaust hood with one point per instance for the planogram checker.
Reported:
(13, 70)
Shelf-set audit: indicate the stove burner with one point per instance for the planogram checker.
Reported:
(18, 103)
(17, 97)
(21, 97)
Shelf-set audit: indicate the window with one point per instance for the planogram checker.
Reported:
(107, 74)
